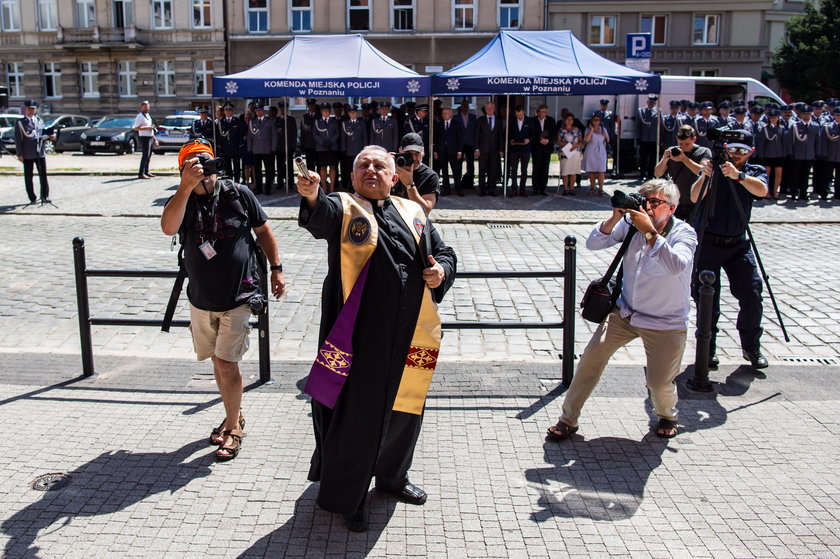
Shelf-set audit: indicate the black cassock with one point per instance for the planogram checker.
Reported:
(362, 436)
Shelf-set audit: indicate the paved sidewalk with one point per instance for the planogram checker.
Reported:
(754, 473)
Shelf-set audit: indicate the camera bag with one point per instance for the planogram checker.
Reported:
(601, 294)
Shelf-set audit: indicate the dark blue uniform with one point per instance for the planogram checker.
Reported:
(230, 133)
(286, 144)
(724, 245)
(202, 129)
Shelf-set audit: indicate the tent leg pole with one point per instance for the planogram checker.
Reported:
(507, 131)
(617, 128)
(430, 116)
(286, 142)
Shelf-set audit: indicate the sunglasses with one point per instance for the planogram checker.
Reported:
(655, 202)
(739, 151)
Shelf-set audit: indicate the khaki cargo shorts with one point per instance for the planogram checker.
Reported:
(223, 334)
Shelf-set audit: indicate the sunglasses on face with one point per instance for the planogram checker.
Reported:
(655, 202)
(738, 151)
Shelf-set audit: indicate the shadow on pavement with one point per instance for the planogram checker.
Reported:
(110, 482)
(312, 532)
(605, 478)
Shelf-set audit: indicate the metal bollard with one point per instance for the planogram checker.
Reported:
(706, 294)
(83, 306)
(569, 309)
(262, 329)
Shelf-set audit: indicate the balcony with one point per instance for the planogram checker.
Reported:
(70, 37)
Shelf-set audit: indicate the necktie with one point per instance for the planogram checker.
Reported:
(446, 126)
(491, 123)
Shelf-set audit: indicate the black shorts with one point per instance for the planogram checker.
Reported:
(327, 158)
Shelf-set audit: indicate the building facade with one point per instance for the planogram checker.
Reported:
(712, 38)
(105, 56)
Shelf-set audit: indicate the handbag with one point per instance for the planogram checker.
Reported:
(600, 297)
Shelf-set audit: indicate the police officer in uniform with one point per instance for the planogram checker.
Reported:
(326, 135)
(647, 119)
(724, 119)
(724, 243)
(307, 130)
(203, 127)
(353, 134)
(703, 124)
(262, 143)
(230, 132)
(384, 130)
(608, 123)
(286, 143)
(670, 125)
(29, 145)
(803, 138)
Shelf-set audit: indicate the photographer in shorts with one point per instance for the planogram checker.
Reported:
(418, 182)
(724, 242)
(653, 305)
(681, 164)
(214, 219)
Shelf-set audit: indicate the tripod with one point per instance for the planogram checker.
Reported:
(709, 190)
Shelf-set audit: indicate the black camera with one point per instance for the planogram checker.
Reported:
(210, 165)
(675, 151)
(632, 201)
(257, 304)
(725, 135)
(403, 160)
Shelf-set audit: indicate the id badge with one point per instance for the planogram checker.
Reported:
(207, 250)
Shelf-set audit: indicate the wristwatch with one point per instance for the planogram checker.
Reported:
(650, 235)
(277, 268)
(741, 176)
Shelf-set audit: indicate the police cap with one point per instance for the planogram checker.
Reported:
(326, 106)
(338, 105)
(674, 103)
(31, 103)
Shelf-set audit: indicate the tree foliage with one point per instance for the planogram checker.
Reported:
(808, 63)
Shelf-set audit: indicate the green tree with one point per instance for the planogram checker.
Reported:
(808, 63)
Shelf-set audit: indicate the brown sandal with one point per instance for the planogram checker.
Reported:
(666, 429)
(216, 434)
(229, 452)
(560, 432)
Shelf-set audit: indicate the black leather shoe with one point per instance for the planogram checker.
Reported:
(492, 193)
(409, 493)
(756, 359)
(714, 362)
(357, 521)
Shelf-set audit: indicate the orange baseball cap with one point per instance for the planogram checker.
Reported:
(193, 147)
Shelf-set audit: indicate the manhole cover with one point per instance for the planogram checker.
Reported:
(808, 359)
(50, 482)
(500, 225)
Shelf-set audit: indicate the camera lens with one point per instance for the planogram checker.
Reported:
(675, 152)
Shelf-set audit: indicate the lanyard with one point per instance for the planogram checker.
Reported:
(214, 215)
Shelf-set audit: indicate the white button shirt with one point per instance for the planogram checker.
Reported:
(656, 288)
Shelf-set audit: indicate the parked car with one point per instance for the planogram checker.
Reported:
(68, 130)
(112, 134)
(7, 123)
(174, 131)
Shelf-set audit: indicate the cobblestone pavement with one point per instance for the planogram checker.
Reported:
(755, 472)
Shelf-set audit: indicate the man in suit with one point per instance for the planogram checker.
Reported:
(384, 129)
(229, 133)
(542, 146)
(647, 119)
(262, 143)
(468, 121)
(449, 140)
(519, 149)
(488, 148)
(286, 143)
(29, 147)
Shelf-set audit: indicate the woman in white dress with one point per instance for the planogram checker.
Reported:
(570, 135)
(595, 155)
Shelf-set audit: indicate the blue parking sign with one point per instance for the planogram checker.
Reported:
(638, 45)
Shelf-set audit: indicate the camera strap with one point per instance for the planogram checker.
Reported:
(618, 256)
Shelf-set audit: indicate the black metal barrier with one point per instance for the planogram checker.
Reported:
(567, 324)
(569, 310)
(705, 301)
(86, 321)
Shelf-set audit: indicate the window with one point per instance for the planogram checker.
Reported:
(509, 11)
(85, 14)
(602, 30)
(162, 14)
(300, 16)
(705, 72)
(657, 26)
(123, 13)
(90, 79)
(256, 14)
(402, 15)
(10, 15)
(203, 77)
(165, 78)
(706, 29)
(14, 79)
(463, 15)
(127, 71)
(201, 13)
(47, 15)
(358, 15)
(52, 79)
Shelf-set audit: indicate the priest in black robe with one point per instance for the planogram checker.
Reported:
(361, 436)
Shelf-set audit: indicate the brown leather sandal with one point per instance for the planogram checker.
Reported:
(560, 432)
(216, 434)
(229, 452)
